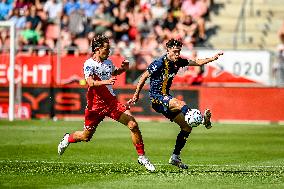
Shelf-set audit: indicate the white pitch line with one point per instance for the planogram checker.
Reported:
(161, 164)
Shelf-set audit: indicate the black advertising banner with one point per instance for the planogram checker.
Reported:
(71, 102)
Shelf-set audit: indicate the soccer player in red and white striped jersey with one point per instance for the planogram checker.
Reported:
(100, 75)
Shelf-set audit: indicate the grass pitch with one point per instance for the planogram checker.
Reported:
(226, 156)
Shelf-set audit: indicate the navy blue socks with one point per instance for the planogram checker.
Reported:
(180, 142)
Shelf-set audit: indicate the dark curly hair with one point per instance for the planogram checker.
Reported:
(98, 42)
(174, 43)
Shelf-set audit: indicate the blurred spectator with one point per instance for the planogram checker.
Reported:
(72, 48)
(188, 30)
(138, 27)
(34, 19)
(121, 27)
(166, 30)
(117, 55)
(102, 20)
(279, 67)
(135, 18)
(146, 24)
(29, 36)
(197, 9)
(70, 6)
(5, 9)
(159, 10)
(175, 8)
(22, 5)
(37, 4)
(169, 24)
(82, 45)
(4, 40)
(89, 7)
(66, 38)
(141, 22)
(190, 75)
(145, 52)
(64, 21)
(53, 8)
(110, 5)
(209, 3)
(77, 22)
(18, 19)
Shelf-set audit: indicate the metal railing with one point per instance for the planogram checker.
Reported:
(240, 29)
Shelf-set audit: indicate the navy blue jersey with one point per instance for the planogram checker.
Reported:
(162, 72)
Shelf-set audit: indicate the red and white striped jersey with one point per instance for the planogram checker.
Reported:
(99, 95)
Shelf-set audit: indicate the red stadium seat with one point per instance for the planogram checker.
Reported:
(83, 45)
(52, 31)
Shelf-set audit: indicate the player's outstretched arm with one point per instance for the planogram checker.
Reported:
(123, 68)
(140, 85)
(93, 83)
(200, 62)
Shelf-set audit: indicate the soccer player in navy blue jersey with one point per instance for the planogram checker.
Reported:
(161, 72)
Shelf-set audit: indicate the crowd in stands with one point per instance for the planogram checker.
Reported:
(279, 66)
(138, 28)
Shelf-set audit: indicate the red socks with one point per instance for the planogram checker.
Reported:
(140, 149)
(71, 139)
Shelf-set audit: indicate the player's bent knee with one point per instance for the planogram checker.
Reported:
(133, 126)
(182, 103)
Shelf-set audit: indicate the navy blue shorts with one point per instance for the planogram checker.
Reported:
(160, 103)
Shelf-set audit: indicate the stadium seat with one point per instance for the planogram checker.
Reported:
(5, 45)
(83, 45)
(7, 42)
(52, 32)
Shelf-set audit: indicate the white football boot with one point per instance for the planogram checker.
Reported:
(143, 160)
(63, 144)
(206, 119)
(176, 160)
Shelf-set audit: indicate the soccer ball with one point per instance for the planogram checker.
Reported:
(193, 117)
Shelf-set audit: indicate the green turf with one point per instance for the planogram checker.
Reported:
(226, 156)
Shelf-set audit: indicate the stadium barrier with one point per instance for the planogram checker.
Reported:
(226, 103)
(57, 89)
(46, 70)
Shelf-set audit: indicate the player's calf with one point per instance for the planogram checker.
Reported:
(84, 136)
(207, 119)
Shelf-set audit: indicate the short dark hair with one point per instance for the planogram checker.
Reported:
(99, 41)
(174, 43)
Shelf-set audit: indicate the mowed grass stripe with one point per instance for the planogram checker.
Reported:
(226, 156)
(25, 167)
(159, 164)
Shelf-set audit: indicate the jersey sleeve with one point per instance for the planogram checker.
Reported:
(184, 62)
(88, 70)
(154, 67)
